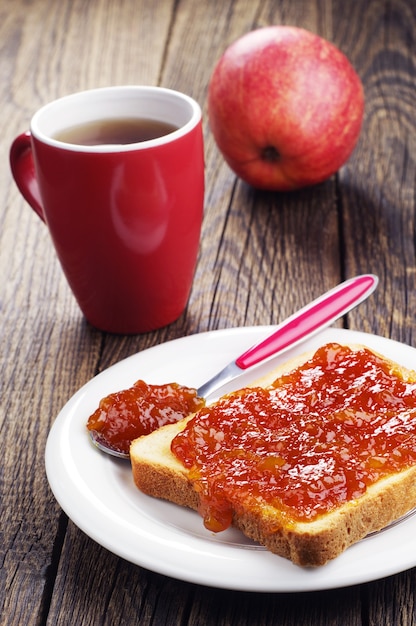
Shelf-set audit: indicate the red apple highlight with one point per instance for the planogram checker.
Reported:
(285, 108)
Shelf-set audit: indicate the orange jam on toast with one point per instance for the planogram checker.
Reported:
(125, 415)
(312, 441)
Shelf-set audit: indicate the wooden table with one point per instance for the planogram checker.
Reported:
(262, 256)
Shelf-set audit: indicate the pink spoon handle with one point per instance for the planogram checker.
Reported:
(311, 319)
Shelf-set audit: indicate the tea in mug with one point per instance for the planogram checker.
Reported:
(115, 131)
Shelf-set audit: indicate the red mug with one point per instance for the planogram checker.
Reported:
(125, 219)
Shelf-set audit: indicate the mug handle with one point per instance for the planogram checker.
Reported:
(23, 170)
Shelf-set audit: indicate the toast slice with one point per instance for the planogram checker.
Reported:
(354, 477)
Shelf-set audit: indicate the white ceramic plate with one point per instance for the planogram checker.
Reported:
(97, 491)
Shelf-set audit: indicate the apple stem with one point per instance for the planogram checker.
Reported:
(270, 154)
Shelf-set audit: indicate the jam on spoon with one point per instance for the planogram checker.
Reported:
(125, 415)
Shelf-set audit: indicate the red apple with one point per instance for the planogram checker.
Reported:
(285, 107)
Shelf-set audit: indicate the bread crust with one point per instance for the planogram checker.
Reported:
(158, 473)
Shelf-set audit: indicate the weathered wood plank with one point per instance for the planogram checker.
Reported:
(377, 186)
(392, 600)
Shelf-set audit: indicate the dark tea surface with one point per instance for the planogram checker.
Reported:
(115, 131)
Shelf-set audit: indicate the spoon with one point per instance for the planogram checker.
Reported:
(308, 321)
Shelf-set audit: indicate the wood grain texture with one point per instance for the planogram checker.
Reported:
(262, 256)
(378, 184)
